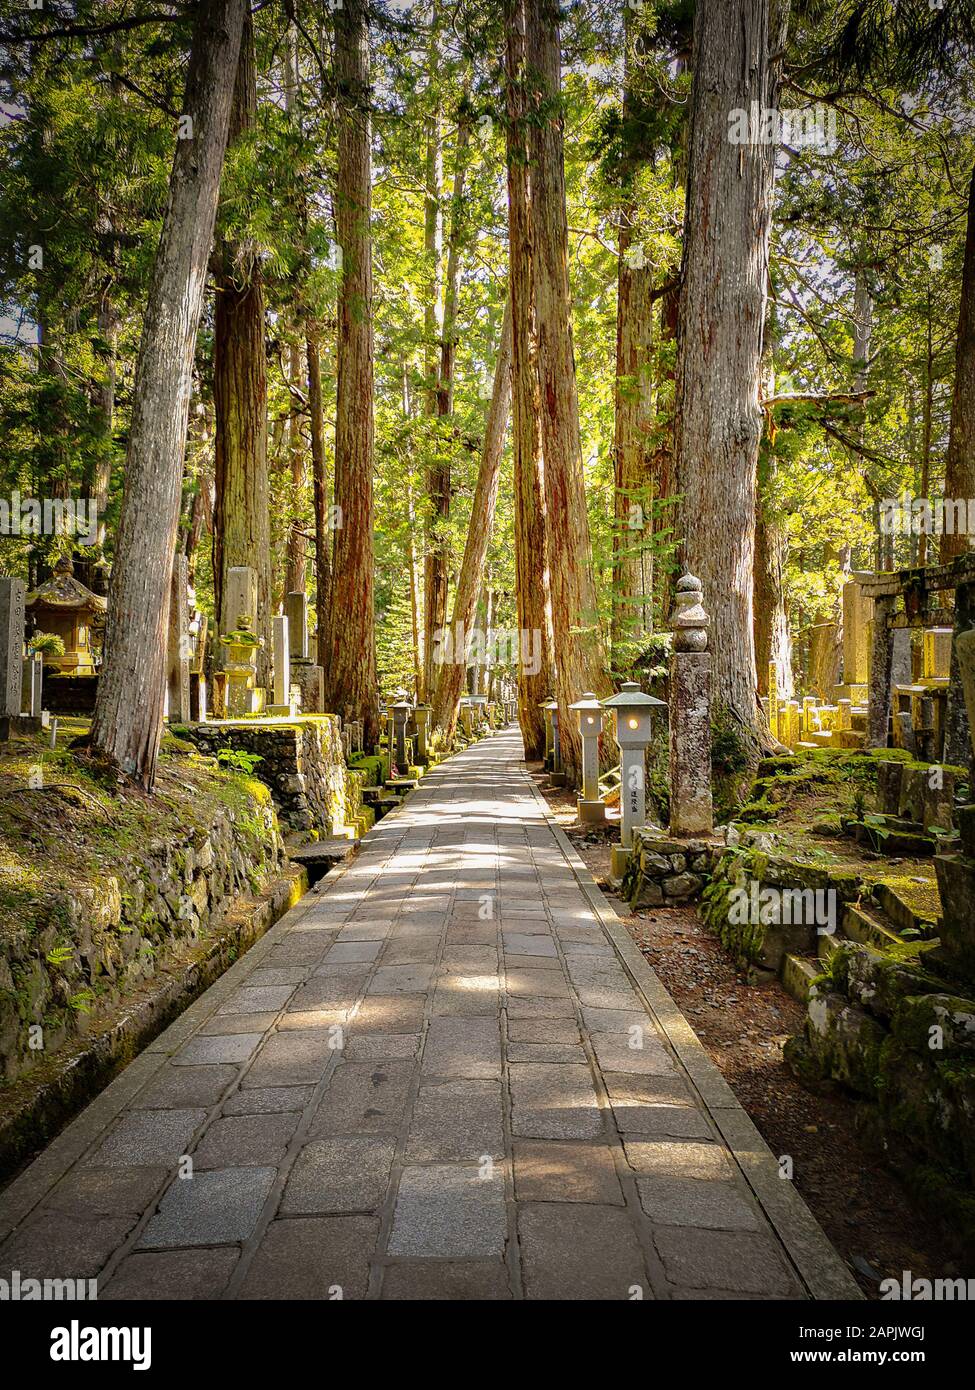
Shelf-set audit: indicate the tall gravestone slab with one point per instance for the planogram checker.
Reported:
(691, 805)
(180, 644)
(281, 659)
(241, 594)
(296, 611)
(13, 596)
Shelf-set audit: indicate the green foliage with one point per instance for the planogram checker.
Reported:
(238, 760)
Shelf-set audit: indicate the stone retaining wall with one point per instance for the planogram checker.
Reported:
(665, 872)
(99, 948)
(302, 764)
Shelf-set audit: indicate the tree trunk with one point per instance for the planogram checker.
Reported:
(632, 561)
(533, 599)
(773, 640)
(127, 723)
(960, 461)
(349, 656)
(449, 674)
(323, 534)
(718, 420)
(579, 658)
(436, 558)
(242, 524)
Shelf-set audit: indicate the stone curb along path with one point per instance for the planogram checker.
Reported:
(448, 1073)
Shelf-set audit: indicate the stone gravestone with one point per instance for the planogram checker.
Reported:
(12, 600)
(296, 610)
(691, 810)
(241, 596)
(179, 645)
(33, 697)
(281, 659)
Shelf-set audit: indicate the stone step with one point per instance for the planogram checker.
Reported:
(320, 856)
(798, 973)
(867, 926)
(909, 906)
(402, 784)
(385, 804)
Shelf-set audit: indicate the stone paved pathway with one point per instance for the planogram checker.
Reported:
(434, 1078)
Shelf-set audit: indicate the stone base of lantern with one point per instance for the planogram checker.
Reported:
(557, 779)
(590, 812)
(281, 711)
(619, 858)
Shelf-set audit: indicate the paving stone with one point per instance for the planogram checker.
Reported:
(346, 1173)
(468, 1047)
(519, 943)
(299, 948)
(148, 1137)
(546, 1052)
(469, 994)
(365, 1098)
(741, 1261)
(690, 1202)
(54, 1245)
(308, 1020)
(264, 998)
(364, 931)
(571, 1251)
(401, 979)
(542, 1030)
(216, 1207)
(344, 952)
(547, 1170)
(554, 1101)
(239, 1023)
(175, 1088)
(451, 1211)
(171, 1274)
(266, 1100)
(318, 1258)
(614, 1053)
(236, 1141)
(454, 1280)
(88, 1194)
(596, 995)
(380, 1046)
(230, 1047)
(677, 1158)
(420, 950)
(330, 991)
(283, 975)
(615, 1020)
(393, 1013)
(535, 1006)
(291, 1059)
(456, 1121)
(470, 960)
(538, 984)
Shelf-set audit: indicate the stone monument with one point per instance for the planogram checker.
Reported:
(691, 811)
(13, 597)
(179, 645)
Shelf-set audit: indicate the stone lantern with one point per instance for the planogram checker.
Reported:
(479, 706)
(632, 709)
(589, 805)
(466, 718)
(421, 719)
(402, 710)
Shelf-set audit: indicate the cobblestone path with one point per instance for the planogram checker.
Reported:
(447, 1074)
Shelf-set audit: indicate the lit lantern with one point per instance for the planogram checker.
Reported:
(632, 709)
(589, 805)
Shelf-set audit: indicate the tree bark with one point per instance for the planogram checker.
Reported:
(718, 420)
(960, 460)
(242, 516)
(632, 561)
(323, 534)
(579, 657)
(532, 594)
(127, 723)
(449, 674)
(349, 656)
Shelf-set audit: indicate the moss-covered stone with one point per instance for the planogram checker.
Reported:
(936, 1024)
(845, 1041)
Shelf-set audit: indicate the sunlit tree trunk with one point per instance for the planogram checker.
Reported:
(127, 723)
(717, 417)
(449, 674)
(579, 657)
(323, 533)
(242, 524)
(349, 654)
(531, 567)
